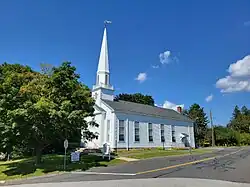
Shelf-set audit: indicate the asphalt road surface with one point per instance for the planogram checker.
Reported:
(230, 164)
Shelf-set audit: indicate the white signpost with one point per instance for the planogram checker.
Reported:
(66, 144)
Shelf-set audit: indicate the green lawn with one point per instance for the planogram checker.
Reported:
(51, 164)
(150, 153)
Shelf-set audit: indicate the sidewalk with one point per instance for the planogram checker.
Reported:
(127, 159)
(119, 157)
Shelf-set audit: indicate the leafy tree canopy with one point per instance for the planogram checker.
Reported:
(196, 113)
(12, 77)
(226, 136)
(240, 120)
(136, 98)
(42, 108)
(236, 112)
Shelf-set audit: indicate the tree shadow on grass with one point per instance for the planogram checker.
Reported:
(53, 163)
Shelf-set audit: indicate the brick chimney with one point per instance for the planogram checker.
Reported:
(179, 109)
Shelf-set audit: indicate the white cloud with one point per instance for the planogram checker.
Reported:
(209, 98)
(170, 105)
(230, 84)
(141, 77)
(241, 68)
(247, 23)
(167, 57)
(238, 78)
(155, 66)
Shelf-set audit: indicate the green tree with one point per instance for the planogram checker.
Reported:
(208, 136)
(245, 111)
(240, 120)
(46, 69)
(196, 113)
(12, 77)
(50, 108)
(245, 139)
(236, 112)
(136, 98)
(226, 136)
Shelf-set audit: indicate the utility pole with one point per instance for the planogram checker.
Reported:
(212, 128)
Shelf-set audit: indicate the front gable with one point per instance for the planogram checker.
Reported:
(98, 110)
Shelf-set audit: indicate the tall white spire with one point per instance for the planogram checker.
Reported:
(103, 65)
(102, 77)
(102, 89)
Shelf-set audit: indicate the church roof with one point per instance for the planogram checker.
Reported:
(99, 108)
(147, 110)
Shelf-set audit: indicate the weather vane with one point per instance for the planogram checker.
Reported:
(107, 22)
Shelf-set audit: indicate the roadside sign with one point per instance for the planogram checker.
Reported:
(75, 156)
(66, 144)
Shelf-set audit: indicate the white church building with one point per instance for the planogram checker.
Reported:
(126, 125)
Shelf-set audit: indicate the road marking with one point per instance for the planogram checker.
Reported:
(97, 173)
(186, 163)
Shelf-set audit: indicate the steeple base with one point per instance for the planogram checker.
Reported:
(106, 93)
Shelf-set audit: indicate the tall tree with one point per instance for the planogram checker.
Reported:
(12, 77)
(136, 98)
(50, 108)
(197, 114)
(240, 120)
(241, 124)
(236, 112)
(245, 111)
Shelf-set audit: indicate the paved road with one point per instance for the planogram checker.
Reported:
(159, 182)
(231, 164)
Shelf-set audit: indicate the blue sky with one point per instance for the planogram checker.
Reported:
(200, 40)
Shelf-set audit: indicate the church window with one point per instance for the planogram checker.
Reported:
(137, 131)
(150, 132)
(173, 134)
(162, 133)
(121, 131)
(106, 79)
(108, 130)
(97, 80)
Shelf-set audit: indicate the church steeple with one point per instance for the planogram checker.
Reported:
(103, 65)
(102, 74)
